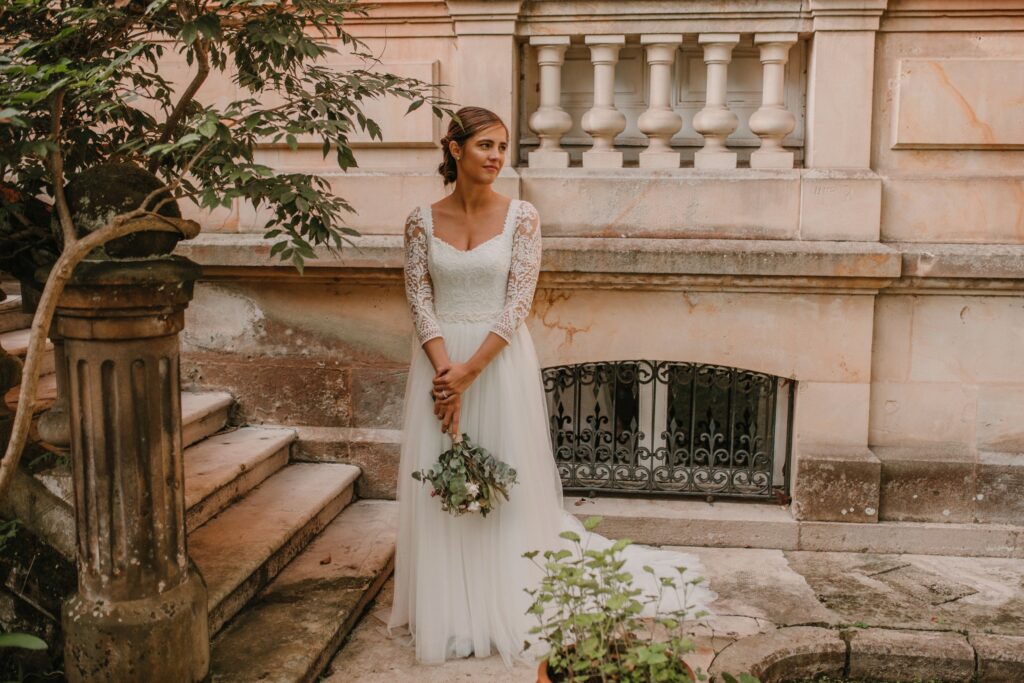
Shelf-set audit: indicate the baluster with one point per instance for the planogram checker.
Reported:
(659, 123)
(772, 122)
(550, 121)
(603, 121)
(715, 122)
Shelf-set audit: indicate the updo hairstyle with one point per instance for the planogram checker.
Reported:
(468, 122)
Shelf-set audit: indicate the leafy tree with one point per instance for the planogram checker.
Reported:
(81, 89)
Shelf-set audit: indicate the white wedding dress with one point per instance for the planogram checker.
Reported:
(459, 581)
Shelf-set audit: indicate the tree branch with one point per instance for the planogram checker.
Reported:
(178, 113)
(55, 159)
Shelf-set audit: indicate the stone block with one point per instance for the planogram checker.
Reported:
(788, 654)
(922, 413)
(736, 203)
(927, 484)
(998, 425)
(964, 208)
(840, 205)
(969, 339)
(376, 452)
(813, 337)
(836, 485)
(833, 413)
(959, 103)
(377, 395)
(1000, 658)
(889, 655)
(1000, 493)
(890, 358)
(292, 391)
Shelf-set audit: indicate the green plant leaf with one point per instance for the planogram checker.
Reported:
(24, 641)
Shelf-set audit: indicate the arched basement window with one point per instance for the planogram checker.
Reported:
(669, 428)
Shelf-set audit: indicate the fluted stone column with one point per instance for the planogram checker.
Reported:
(660, 122)
(140, 610)
(53, 424)
(603, 121)
(550, 121)
(715, 121)
(772, 121)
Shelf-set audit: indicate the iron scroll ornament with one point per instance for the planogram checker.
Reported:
(665, 428)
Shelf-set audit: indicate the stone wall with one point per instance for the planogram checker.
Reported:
(883, 271)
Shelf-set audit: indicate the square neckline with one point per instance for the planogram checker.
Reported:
(504, 229)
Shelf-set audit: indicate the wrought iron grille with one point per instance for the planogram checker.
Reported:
(669, 428)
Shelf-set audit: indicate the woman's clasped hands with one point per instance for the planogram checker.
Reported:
(450, 382)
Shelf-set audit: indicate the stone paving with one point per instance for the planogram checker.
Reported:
(937, 601)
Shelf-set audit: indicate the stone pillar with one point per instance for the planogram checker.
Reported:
(840, 83)
(603, 121)
(486, 62)
(140, 610)
(772, 121)
(660, 122)
(715, 121)
(550, 121)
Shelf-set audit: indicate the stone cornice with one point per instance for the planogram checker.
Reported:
(631, 263)
(485, 17)
(953, 15)
(592, 262)
(847, 15)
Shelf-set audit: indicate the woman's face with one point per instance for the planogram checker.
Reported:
(481, 157)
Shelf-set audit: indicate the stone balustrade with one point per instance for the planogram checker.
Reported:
(648, 104)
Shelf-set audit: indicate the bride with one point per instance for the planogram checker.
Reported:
(471, 266)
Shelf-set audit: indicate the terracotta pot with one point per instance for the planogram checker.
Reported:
(542, 672)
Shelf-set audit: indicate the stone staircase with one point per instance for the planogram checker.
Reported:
(290, 557)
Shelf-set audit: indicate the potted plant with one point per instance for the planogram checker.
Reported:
(98, 147)
(589, 615)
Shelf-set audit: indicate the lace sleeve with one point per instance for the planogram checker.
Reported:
(419, 290)
(522, 274)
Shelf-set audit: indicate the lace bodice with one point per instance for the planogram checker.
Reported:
(494, 281)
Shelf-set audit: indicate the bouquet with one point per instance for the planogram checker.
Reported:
(468, 478)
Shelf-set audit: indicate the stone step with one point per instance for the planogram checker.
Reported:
(11, 316)
(224, 467)
(244, 547)
(15, 342)
(46, 394)
(203, 413)
(728, 524)
(290, 633)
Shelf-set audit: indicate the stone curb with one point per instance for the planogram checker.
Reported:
(805, 652)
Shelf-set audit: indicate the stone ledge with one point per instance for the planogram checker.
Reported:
(794, 653)
(883, 654)
(985, 261)
(726, 524)
(927, 483)
(1000, 658)
(845, 262)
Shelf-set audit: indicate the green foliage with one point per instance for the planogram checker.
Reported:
(467, 478)
(588, 613)
(81, 79)
(22, 640)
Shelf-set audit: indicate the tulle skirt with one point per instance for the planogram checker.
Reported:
(460, 581)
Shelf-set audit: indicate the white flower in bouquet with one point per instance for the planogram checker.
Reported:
(467, 478)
